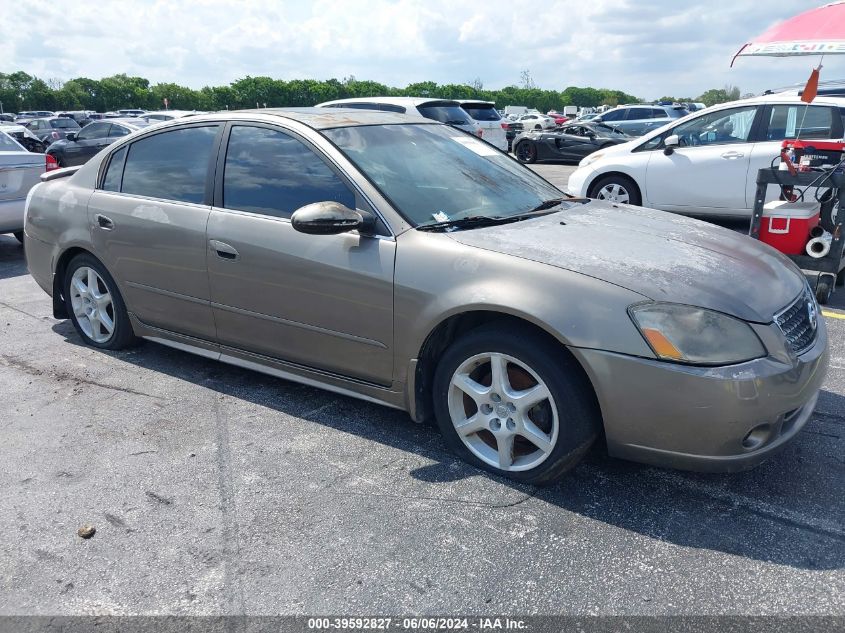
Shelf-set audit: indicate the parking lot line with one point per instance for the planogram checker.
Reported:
(833, 315)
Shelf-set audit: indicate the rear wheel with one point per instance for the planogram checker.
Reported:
(505, 403)
(526, 152)
(616, 188)
(95, 305)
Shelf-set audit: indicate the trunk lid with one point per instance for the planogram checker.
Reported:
(19, 172)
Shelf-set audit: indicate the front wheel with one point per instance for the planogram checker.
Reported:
(616, 188)
(526, 152)
(95, 305)
(509, 403)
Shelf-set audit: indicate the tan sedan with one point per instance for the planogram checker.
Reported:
(399, 260)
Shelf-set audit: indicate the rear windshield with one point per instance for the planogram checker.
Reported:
(8, 145)
(445, 113)
(482, 111)
(677, 113)
(64, 123)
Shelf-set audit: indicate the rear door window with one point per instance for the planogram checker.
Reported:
(802, 121)
(272, 173)
(635, 114)
(172, 165)
(613, 115)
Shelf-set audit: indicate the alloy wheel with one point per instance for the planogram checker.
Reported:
(614, 192)
(503, 412)
(92, 304)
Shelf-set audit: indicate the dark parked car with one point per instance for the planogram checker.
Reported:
(638, 119)
(78, 147)
(571, 142)
(513, 130)
(82, 117)
(51, 129)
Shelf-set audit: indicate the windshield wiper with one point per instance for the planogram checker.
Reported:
(550, 204)
(472, 222)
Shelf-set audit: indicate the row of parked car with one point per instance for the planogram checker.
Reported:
(684, 165)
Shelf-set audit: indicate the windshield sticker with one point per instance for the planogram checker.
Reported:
(479, 147)
(440, 216)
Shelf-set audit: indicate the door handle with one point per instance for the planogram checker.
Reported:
(732, 154)
(223, 250)
(104, 223)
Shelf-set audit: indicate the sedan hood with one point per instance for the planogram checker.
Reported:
(662, 256)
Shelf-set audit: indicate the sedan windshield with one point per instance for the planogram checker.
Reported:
(434, 173)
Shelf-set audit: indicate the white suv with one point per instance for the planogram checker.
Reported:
(484, 113)
(707, 162)
(444, 110)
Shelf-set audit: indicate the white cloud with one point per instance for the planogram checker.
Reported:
(647, 49)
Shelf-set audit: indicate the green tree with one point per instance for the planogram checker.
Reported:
(719, 95)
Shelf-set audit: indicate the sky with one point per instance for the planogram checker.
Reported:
(649, 48)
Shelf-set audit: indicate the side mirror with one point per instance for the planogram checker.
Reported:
(330, 218)
(598, 119)
(672, 141)
(71, 136)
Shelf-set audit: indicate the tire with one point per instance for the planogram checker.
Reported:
(626, 190)
(537, 127)
(840, 278)
(525, 152)
(824, 288)
(18, 236)
(564, 423)
(98, 308)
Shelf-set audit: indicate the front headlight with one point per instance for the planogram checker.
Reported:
(589, 159)
(686, 334)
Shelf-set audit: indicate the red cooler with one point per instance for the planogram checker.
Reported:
(786, 225)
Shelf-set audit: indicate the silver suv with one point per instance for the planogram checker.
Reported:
(637, 119)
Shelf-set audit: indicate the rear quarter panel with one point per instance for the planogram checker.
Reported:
(56, 219)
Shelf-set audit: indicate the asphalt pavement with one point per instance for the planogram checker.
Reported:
(216, 490)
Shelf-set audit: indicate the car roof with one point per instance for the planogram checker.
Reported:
(405, 101)
(479, 101)
(316, 118)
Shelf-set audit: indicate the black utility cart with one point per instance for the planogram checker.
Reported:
(824, 272)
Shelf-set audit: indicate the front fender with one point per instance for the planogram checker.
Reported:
(437, 278)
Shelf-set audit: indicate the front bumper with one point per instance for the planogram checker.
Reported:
(578, 180)
(700, 418)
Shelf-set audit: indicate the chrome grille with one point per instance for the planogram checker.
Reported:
(798, 322)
